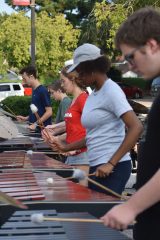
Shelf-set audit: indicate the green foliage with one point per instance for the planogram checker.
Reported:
(20, 105)
(108, 19)
(138, 82)
(102, 24)
(136, 4)
(14, 40)
(74, 10)
(54, 43)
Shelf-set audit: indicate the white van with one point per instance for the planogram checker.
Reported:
(11, 89)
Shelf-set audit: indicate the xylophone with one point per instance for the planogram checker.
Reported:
(19, 143)
(19, 226)
(12, 159)
(63, 195)
(40, 161)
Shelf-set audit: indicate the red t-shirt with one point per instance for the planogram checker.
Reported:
(74, 129)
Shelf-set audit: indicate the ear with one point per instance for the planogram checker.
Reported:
(153, 45)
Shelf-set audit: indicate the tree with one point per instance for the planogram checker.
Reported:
(15, 38)
(74, 10)
(136, 4)
(102, 24)
(55, 41)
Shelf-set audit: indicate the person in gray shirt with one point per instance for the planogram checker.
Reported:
(58, 93)
(111, 125)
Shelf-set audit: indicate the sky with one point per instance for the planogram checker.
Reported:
(5, 8)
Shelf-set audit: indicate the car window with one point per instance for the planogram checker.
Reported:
(16, 87)
(4, 88)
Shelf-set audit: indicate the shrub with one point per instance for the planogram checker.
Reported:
(19, 105)
(138, 82)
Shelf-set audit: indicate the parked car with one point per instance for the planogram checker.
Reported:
(11, 89)
(27, 90)
(155, 87)
(131, 91)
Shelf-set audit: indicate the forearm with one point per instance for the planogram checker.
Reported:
(59, 130)
(62, 137)
(22, 118)
(46, 115)
(76, 145)
(146, 196)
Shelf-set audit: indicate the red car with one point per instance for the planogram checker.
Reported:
(27, 90)
(131, 91)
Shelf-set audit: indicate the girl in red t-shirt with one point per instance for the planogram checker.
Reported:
(74, 129)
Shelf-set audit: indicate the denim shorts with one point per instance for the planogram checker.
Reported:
(80, 159)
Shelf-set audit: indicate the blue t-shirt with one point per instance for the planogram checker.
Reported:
(41, 99)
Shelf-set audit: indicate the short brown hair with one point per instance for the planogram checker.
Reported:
(57, 85)
(139, 28)
(29, 70)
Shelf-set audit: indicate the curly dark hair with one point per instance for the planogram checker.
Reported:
(101, 65)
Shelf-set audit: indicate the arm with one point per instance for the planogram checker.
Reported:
(57, 128)
(46, 115)
(22, 118)
(58, 145)
(134, 129)
(121, 216)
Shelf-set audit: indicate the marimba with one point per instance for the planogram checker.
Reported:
(40, 161)
(19, 143)
(19, 227)
(64, 195)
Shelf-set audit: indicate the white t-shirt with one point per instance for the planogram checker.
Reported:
(101, 118)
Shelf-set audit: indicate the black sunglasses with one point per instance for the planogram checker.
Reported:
(130, 56)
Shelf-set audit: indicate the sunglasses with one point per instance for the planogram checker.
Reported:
(130, 56)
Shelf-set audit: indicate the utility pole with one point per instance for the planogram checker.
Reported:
(33, 33)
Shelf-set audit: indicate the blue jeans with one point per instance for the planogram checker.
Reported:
(116, 181)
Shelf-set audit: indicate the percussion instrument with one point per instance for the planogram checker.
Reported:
(63, 194)
(20, 159)
(18, 143)
(8, 129)
(19, 226)
(138, 107)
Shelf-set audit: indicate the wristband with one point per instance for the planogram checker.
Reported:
(112, 164)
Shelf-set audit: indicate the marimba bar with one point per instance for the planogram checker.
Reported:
(19, 143)
(39, 161)
(20, 227)
(64, 195)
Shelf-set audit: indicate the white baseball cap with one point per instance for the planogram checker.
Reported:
(85, 52)
(68, 63)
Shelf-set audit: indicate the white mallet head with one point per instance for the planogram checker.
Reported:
(50, 181)
(79, 174)
(29, 152)
(33, 108)
(37, 218)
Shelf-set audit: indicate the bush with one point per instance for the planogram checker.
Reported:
(19, 105)
(138, 82)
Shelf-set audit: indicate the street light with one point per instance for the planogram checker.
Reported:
(33, 32)
(30, 3)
